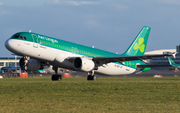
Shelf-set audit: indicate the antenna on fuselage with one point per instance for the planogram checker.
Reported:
(30, 31)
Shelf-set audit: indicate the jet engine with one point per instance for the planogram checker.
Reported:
(29, 64)
(83, 64)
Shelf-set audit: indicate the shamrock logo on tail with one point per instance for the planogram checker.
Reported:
(139, 46)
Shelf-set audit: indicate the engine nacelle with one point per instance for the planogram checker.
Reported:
(30, 65)
(83, 64)
(33, 65)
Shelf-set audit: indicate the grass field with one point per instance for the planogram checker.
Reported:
(107, 94)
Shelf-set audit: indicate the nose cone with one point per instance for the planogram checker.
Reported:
(9, 45)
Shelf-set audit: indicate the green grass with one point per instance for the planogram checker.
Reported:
(75, 95)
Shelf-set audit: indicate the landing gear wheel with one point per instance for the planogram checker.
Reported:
(25, 67)
(94, 77)
(91, 77)
(56, 78)
(59, 78)
(24, 62)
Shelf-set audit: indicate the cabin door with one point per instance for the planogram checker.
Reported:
(35, 40)
(128, 66)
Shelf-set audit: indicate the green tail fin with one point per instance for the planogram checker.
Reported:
(171, 62)
(138, 46)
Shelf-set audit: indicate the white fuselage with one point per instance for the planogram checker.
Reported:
(51, 55)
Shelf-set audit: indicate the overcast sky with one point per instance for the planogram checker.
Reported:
(106, 24)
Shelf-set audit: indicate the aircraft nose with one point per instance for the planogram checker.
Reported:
(8, 44)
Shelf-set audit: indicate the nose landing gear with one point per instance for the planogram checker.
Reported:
(23, 62)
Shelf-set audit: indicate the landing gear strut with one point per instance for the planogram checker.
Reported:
(91, 76)
(23, 62)
(56, 77)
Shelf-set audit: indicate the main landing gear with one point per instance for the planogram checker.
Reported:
(56, 77)
(91, 76)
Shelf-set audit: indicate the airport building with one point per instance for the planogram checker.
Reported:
(164, 60)
(9, 61)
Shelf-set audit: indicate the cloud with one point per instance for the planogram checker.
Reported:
(1, 4)
(72, 2)
(80, 2)
(54, 2)
(119, 7)
(2, 11)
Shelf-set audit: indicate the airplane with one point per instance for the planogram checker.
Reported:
(40, 50)
(172, 63)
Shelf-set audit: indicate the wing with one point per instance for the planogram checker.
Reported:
(121, 59)
(143, 66)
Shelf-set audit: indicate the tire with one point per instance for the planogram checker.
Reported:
(89, 77)
(94, 77)
(59, 78)
(56, 78)
(53, 77)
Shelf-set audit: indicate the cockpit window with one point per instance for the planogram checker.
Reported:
(16, 36)
(21, 37)
(25, 38)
